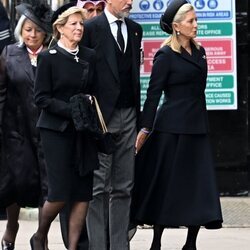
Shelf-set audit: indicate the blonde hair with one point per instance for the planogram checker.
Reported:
(63, 18)
(172, 40)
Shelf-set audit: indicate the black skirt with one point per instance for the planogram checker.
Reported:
(175, 182)
(64, 181)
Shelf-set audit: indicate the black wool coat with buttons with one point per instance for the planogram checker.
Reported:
(182, 79)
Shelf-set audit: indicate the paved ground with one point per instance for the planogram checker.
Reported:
(234, 236)
(173, 239)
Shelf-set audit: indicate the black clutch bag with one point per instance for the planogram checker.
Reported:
(104, 140)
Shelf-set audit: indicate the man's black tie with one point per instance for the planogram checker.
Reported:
(120, 38)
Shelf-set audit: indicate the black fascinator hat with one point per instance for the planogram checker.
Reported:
(39, 13)
(169, 14)
(60, 10)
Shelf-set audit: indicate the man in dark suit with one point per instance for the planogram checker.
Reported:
(117, 41)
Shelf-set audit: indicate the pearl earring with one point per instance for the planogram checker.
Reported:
(178, 33)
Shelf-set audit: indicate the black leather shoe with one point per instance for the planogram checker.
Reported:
(131, 232)
(188, 248)
(7, 245)
(155, 248)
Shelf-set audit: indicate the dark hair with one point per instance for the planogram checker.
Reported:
(168, 16)
(60, 10)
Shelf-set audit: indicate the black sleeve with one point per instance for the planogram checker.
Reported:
(44, 89)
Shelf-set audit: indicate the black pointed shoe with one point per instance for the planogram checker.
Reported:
(36, 244)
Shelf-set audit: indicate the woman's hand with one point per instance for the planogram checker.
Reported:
(141, 138)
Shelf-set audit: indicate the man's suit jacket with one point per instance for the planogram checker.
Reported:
(97, 35)
(182, 78)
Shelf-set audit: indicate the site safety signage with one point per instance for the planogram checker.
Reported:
(216, 33)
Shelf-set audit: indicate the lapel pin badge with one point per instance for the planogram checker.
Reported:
(204, 57)
(52, 51)
(136, 33)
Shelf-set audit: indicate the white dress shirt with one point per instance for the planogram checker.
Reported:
(113, 26)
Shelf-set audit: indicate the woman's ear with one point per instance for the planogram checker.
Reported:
(60, 29)
(176, 27)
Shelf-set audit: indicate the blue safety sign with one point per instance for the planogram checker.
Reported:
(151, 10)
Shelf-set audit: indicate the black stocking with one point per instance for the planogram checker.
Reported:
(191, 238)
(156, 243)
(12, 223)
(49, 212)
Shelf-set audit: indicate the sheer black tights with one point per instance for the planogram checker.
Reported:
(49, 212)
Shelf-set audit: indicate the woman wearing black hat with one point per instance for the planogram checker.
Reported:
(174, 180)
(65, 72)
(23, 178)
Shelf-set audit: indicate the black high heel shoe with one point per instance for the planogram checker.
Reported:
(35, 245)
(7, 245)
(188, 248)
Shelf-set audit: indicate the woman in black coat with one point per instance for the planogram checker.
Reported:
(64, 72)
(174, 180)
(23, 175)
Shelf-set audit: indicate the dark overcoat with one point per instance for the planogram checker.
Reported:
(107, 75)
(22, 158)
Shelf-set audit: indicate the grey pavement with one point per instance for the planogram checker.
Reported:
(235, 234)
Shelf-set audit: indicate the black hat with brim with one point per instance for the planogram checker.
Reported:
(40, 14)
(60, 10)
(169, 14)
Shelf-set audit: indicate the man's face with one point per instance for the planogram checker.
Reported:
(93, 10)
(119, 8)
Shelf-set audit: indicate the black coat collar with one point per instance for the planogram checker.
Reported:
(196, 57)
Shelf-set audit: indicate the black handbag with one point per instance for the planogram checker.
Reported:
(83, 114)
(104, 140)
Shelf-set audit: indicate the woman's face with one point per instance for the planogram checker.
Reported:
(188, 27)
(72, 30)
(33, 36)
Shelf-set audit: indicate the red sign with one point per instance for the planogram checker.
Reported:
(219, 54)
(150, 48)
